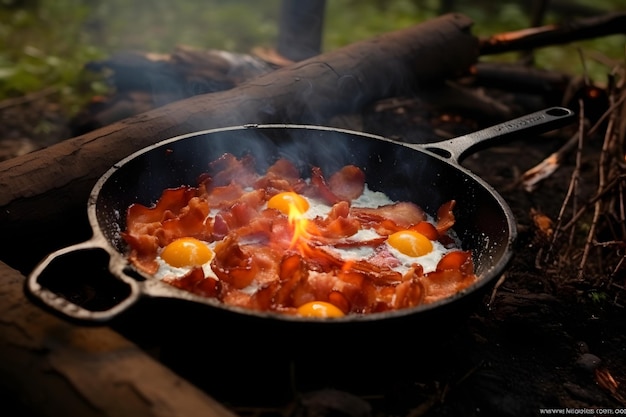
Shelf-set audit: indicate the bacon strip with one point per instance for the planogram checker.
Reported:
(402, 214)
(445, 217)
(228, 169)
(348, 183)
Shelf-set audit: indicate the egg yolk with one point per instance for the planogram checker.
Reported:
(410, 243)
(319, 309)
(287, 200)
(186, 252)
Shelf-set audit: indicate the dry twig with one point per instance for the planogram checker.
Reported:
(600, 218)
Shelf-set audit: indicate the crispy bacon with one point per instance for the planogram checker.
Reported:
(143, 251)
(258, 266)
(195, 282)
(223, 196)
(399, 215)
(145, 231)
(348, 183)
(444, 283)
(292, 274)
(239, 264)
(427, 229)
(192, 222)
(237, 216)
(167, 206)
(228, 170)
(281, 176)
(338, 223)
(456, 260)
(408, 294)
(445, 217)
(320, 188)
(233, 265)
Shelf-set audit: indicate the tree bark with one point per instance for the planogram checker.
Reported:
(52, 367)
(49, 185)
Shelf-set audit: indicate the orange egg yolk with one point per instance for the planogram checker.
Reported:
(186, 252)
(410, 243)
(287, 201)
(319, 309)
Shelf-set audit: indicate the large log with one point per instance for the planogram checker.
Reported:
(51, 367)
(42, 192)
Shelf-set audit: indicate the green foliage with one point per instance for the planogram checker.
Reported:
(46, 43)
(598, 297)
(43, 46)
(160, 25)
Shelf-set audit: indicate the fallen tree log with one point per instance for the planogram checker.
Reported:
(42, 193)
(51, 367)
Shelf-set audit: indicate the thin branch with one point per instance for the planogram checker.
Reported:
(570, 191)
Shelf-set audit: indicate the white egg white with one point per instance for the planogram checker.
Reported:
(372, 199)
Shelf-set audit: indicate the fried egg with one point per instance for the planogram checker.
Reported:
(428, 260)
(182, 255)
(306, 207)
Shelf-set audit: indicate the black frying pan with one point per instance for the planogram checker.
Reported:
(427, 174)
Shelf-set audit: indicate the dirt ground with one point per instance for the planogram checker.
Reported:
(541, 339)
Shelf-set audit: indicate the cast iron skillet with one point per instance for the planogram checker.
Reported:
(427, 174)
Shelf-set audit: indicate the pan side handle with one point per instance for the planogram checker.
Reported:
(533, 123)
(69, 281)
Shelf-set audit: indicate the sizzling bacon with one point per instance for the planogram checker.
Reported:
(228, 170)
(145, 232)
(396, 216)
(167, 206)
(237, 216)
(281, 176)
(445, 217)
(338, 223)
(256, 263)
(191, 221)
(196, 283)
(143, 252)
(320, 188)
(443, 284)
(348, 183)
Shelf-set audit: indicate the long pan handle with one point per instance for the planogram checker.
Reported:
(538, 122)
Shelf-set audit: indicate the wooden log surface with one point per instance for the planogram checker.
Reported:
(51, 367)
(50, 187)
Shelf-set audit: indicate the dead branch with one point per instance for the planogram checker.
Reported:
(550, 35)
